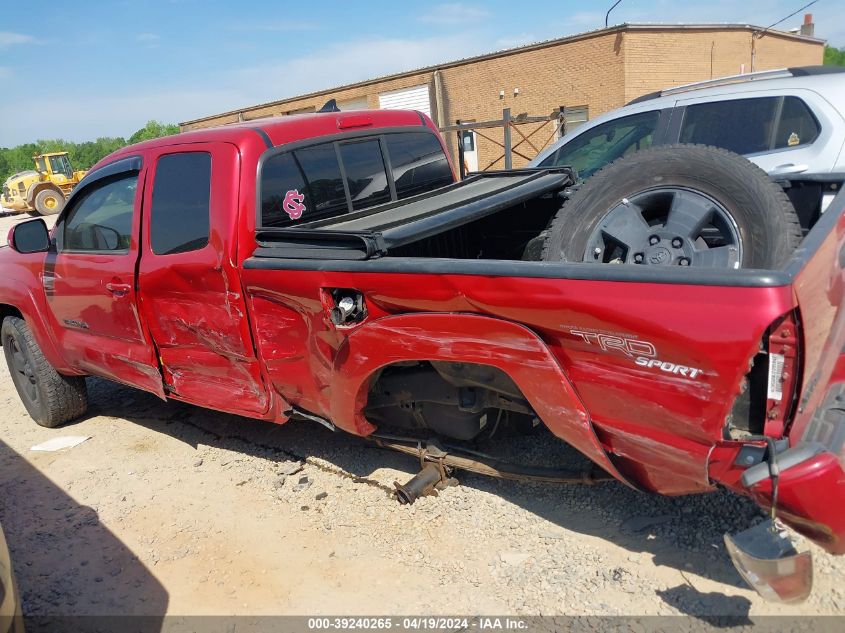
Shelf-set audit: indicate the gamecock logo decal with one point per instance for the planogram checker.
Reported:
(293, 204)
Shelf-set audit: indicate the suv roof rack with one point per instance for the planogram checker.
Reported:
(780, 73)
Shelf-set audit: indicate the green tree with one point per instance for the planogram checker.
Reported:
(82, 155)
(834, 56)
(153, 129)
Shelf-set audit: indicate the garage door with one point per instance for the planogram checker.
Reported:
(413, 98)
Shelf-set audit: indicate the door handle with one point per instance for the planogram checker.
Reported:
(788, 169)
(118, 289)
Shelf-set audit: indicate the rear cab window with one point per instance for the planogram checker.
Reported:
(331, 178)
(750, 126)
(179, 217)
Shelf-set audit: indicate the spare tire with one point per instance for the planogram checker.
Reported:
(676, 205)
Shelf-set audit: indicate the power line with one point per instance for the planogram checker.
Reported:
(607, 15)
(760, 34)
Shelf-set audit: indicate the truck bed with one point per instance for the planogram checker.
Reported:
(377, 230)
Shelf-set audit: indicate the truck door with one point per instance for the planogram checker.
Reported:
(190, 293)
(90, 280)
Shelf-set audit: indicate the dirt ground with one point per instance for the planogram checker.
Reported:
(7, 221)
(169, 508)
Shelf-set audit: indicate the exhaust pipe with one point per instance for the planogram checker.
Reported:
(419, 485)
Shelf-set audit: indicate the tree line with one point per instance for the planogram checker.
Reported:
(834, 56)
(82, 155)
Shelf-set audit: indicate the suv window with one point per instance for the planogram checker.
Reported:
(418, 163)
(749, 126)
(321, 181)
(179, 219)
(595, 148)
(102, 220)
(797, 125)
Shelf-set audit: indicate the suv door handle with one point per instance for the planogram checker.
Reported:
(788, 169)
(118, 289)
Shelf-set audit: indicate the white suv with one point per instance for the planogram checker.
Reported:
(790, 122)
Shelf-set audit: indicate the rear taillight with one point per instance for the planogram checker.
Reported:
(827, 426)
(766, 558)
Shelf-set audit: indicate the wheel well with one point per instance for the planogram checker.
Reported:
(7, 311)
(39, 187)
(454, 399)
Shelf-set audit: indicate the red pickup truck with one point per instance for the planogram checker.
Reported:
(329, 267)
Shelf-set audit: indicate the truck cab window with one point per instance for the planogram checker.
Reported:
(321, 181)
(61, 165)
(179, 218)
(365, 173)
(302, 186)
(102, 220)
(418, 163)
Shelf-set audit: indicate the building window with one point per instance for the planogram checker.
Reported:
(573, 117)
(352, 104)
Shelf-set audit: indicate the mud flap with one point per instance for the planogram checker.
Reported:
(766, 558)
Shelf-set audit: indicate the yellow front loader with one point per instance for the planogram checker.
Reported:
(41, 191)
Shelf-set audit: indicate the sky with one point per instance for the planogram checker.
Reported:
(90, 69)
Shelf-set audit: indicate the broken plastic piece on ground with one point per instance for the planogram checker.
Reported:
(60, 443)
(766, 558)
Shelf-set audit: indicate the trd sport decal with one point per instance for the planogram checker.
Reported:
(293, 204)
(643, 352)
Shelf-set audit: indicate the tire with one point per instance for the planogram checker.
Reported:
(50, 398)
(726, 213)
(49, 202)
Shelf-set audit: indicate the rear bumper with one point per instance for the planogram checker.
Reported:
(811, 493)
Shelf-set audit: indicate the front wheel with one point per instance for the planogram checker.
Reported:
(49, 397)
(49, 202)
(677, 205)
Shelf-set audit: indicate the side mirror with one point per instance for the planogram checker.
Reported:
(31, 236)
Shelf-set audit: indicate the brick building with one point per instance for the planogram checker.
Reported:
(588, 73)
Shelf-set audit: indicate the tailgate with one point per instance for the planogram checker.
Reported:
(811, 495)
(819, 285)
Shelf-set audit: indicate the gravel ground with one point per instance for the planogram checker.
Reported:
(174, 509)
(7, 220)
(171, 508)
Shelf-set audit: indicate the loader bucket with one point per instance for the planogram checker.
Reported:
(766, 558)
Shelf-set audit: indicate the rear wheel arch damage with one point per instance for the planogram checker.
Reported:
(512, 350)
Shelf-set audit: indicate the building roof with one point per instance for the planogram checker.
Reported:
(646, 26)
